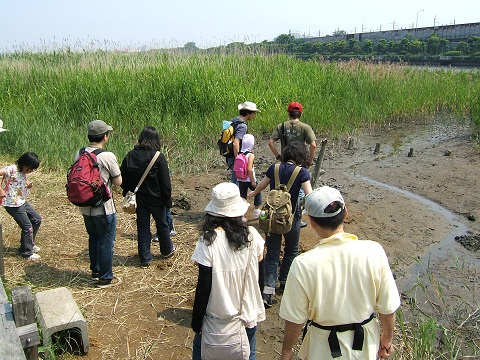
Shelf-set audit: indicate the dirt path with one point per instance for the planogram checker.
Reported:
(413, 206)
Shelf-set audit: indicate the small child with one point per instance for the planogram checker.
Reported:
(13, 190)
(248, 143)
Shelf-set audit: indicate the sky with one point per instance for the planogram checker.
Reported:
(130, 24)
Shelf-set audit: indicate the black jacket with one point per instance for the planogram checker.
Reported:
(156, 185)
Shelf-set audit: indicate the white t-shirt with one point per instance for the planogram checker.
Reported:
(228, 271)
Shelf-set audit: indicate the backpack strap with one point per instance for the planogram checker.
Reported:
(96, 151)
(276, 173)
(283, 137)
(293, 177)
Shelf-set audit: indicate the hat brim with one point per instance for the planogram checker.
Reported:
(236, 209)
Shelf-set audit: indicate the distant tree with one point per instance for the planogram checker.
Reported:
(473, 44)
(339, 46)
(416, 47)
(367, 46)
(436, 45)
(190, 46)
(353, 46)
(462, 46)
(285, 39)
(339, 32)
(382, 47)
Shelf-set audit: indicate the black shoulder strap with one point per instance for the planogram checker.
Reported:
(97, 151)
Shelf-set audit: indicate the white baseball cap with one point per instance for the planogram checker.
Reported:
(319, 199)
(1, 127)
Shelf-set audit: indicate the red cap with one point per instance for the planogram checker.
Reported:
(295, 106)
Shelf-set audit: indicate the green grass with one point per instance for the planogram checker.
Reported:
(47, 99)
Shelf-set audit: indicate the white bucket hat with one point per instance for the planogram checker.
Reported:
(1, 127)
(226, 201)
(248, 105)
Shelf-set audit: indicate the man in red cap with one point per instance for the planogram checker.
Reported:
(293, 130)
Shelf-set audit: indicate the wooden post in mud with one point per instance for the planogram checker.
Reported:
(350, 143)
(377, 148)
(318, 163)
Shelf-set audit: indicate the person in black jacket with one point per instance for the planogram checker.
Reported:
(154, 195)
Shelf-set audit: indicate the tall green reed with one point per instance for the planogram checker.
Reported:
(47, 99)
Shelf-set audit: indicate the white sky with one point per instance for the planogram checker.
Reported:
(41, 24)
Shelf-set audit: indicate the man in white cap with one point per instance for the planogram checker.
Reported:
(337, 287)
(101, 221)
(247, 111)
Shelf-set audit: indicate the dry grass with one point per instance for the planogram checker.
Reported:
(119, 318)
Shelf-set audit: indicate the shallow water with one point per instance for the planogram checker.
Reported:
(447, 247)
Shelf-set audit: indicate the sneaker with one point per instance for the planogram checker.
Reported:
(155, 237)
(303, 224)
(171, 253)
(36, 248)
(145, 265)
(256, 213)
(173, 233)
(103, 284)
(94, 275)
(33, 257)
(268, 302)
(281, 287)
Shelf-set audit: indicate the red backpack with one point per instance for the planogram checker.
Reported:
(240, 166)
(85, 186)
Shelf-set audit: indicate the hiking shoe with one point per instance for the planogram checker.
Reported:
(268, 302)
(36, 248)
(256, 213)
(33, 257)
(95, 275)
(155, 237)
(145, 265)
(173, 233)
(171, 253)
(303, 224)
(103, 284)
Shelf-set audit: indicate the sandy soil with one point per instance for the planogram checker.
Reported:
(414, 206)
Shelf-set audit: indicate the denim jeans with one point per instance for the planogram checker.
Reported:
(146, 207)
(101, 231)
(29, 221)
(230, 161)
(252, 339)
(273, 242)
(244, 186)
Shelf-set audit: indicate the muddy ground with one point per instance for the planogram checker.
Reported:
(414, 206)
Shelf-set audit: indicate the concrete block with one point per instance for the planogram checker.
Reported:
(58, 311)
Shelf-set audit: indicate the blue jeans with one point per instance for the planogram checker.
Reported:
(252, 339)
(244, 186)
(101, 231)
(146, 207)
(169, 219)
(29, 221)
(273, 242)
(230, 161)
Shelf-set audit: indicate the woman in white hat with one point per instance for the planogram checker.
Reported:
(229, 256)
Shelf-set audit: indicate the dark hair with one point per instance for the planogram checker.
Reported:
(97, 138)
(245, 112)
(235, 230)
(333, 222)
(295, 114)
(148, 139)
(296, 151)
(30, 160)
